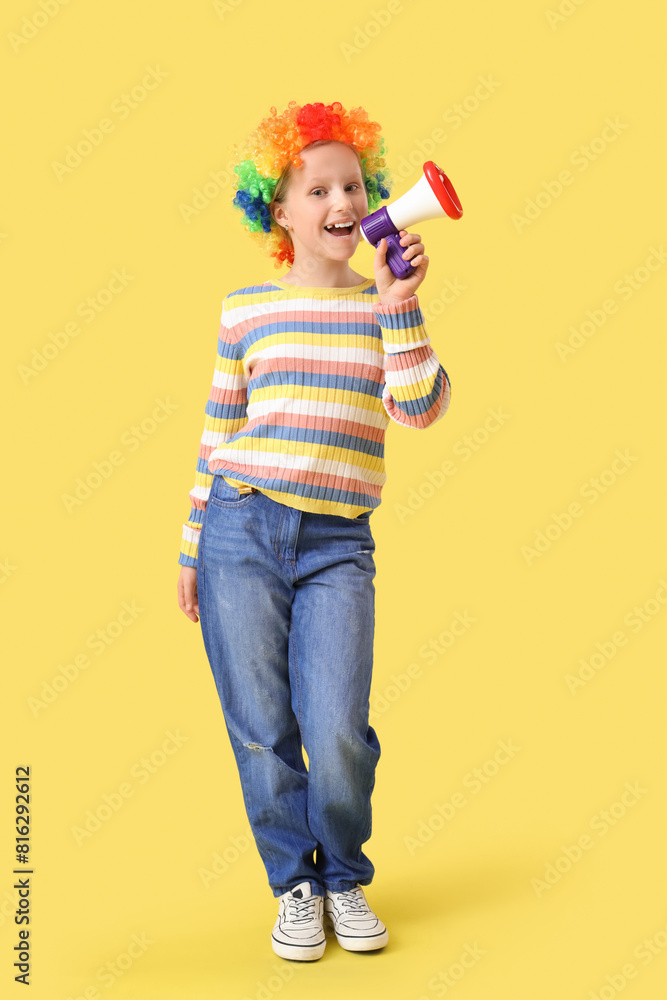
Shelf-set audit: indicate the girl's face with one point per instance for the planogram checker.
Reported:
(327, 188)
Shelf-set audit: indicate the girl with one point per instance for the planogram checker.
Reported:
(277, 556)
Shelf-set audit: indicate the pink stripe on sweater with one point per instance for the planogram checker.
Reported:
(404, 360)
(319, 423)
(356, 313)
(320, 367)
(231, 397)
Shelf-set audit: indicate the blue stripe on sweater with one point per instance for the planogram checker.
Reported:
(332, 439)
(319, 380)
(414, 407)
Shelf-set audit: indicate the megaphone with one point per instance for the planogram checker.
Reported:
(430, 198)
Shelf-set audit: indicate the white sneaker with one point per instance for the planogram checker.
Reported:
(355, 925)
(298, 933)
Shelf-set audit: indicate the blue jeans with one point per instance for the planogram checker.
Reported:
(287, 609)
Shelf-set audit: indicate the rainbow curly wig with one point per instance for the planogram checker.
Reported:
(277, 142)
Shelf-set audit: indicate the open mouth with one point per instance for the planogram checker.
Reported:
(340, 232)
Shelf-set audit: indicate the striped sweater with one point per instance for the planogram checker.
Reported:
(305, 384)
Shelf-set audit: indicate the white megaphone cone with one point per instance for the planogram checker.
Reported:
(430, 198)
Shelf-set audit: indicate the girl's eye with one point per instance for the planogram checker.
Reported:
(316, 190)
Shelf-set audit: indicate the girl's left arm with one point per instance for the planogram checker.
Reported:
(417, 389)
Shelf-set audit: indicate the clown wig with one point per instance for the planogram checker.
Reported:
(269, 153)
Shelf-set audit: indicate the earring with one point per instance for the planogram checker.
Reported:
(286, 227)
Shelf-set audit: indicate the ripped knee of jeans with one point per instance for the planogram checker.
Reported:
(256, 746)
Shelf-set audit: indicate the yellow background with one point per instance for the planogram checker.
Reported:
(552, 87)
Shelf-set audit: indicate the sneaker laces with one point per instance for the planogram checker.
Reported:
(354, 901)
(301, 908)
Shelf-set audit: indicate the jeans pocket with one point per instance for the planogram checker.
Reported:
(222, 494)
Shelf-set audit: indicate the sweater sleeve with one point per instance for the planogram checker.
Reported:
(225, 414)
(417, 388)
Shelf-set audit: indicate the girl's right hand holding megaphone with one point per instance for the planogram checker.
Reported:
(390, 288)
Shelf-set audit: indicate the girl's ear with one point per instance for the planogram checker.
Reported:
(279, 214)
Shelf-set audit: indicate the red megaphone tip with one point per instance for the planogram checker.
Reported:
(443, 189)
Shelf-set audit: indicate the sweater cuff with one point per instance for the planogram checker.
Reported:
(402, 325)
(189, 546)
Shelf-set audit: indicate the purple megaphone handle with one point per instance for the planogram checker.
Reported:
(377, 226)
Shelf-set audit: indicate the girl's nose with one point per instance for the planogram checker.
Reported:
(342, 200)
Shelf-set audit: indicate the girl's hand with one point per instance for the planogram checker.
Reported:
(188, 599)
(393, 289)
